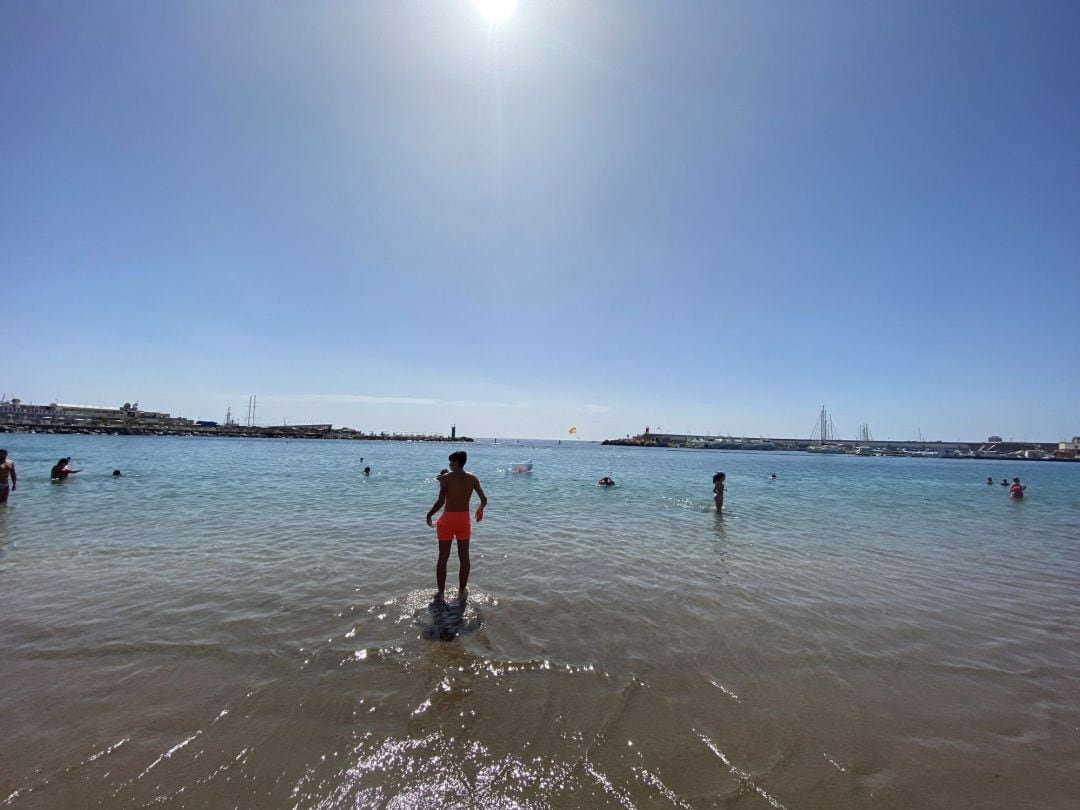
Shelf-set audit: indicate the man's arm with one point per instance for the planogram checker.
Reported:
(438, 503)
(13, 476)
(483, 499)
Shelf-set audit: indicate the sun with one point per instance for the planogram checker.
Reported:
(495, 11)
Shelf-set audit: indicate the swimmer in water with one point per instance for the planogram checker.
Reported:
(772, 477)
(116, 474)
(989, 481)
(1016, 490)
(1004, 482)
(605, 482)
(367, 470)
(455, 492)
(61, 470)
(718, 490)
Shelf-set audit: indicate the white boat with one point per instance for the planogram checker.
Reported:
(824, 434)
(521, 466)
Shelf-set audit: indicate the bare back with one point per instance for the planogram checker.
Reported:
(458, 488)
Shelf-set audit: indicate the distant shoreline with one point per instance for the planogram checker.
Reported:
(236, 432)
(986, 451)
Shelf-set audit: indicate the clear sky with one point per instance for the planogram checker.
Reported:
(395, 215)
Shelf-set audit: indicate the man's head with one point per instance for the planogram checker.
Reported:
(3, 456)
(718, 477)
(1016, 480)
(457, 460)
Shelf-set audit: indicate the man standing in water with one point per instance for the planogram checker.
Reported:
(455, 491)
(7, 476)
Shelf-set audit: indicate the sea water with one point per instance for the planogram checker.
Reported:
(250, 623)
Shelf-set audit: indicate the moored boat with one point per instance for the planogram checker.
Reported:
(833, 449)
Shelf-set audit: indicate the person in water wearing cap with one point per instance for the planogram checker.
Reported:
(1017, 489)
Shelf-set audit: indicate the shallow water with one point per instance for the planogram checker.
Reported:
(251, 623)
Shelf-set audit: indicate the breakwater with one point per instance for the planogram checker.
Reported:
(1030, 451)
(234, 431)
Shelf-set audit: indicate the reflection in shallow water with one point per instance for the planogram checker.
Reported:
(719, 527)
(445, 620)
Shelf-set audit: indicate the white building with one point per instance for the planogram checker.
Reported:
(17, 412)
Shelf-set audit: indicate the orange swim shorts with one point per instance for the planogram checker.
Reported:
(453, 526)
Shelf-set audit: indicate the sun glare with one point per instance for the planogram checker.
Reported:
(495, 11)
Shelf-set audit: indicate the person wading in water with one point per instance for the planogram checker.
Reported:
(455, 491)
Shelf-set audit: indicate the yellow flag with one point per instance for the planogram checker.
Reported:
(573, 430)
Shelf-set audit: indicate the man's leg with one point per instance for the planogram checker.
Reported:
(463, 561)
(440, 566)
(4, 490)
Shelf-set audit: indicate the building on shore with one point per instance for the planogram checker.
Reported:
(1068, 449)
(16, 412)
(17, 416)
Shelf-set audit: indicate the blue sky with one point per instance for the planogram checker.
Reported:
(711, 217)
